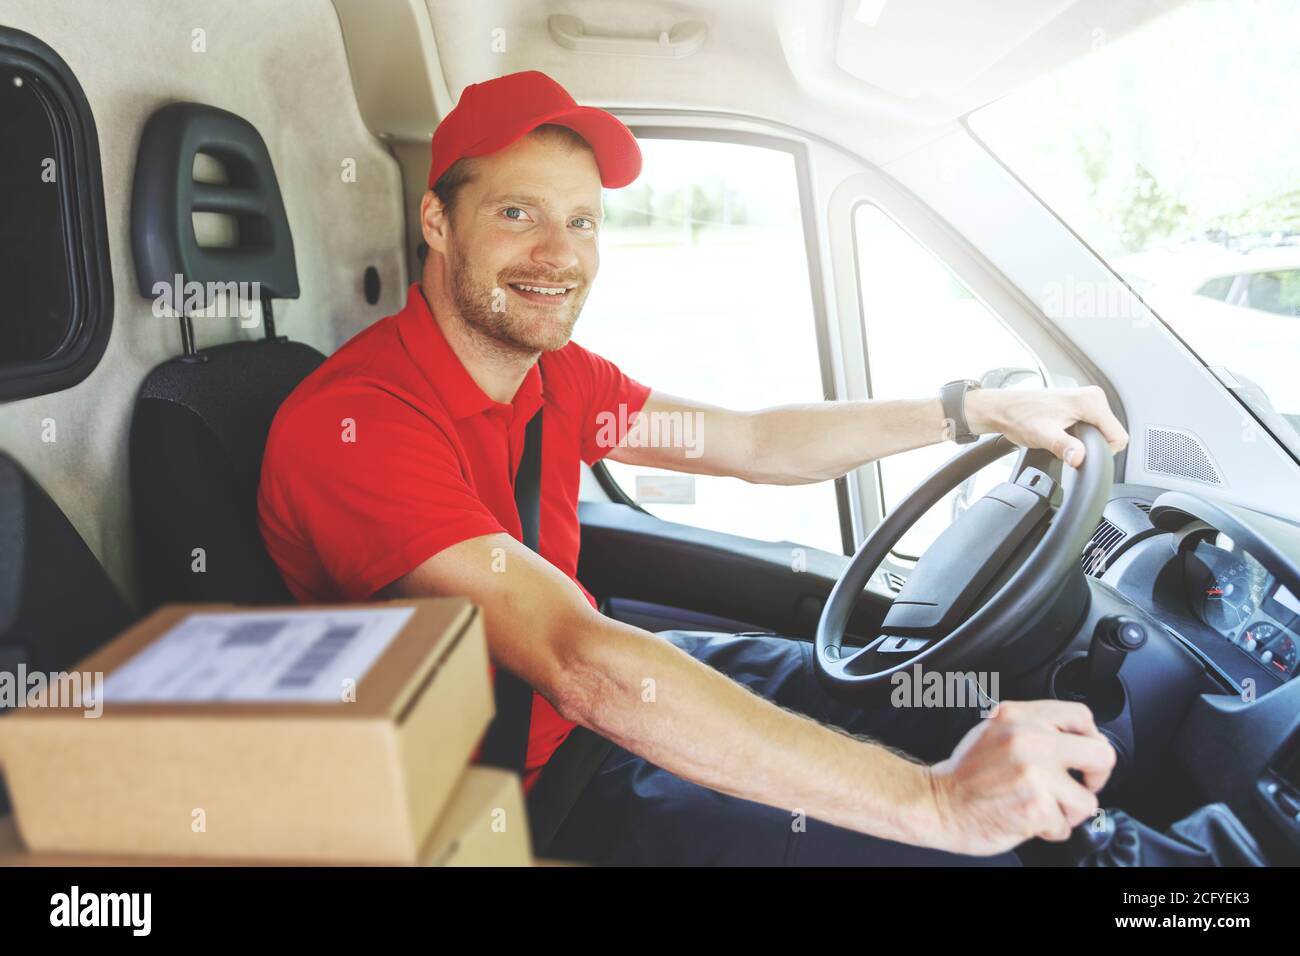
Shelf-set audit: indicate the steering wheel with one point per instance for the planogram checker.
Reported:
(943, 619)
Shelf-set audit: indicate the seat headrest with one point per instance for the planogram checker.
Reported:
(165, 196)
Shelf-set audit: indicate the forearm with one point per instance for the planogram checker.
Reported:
(797, 444)
(658, 702)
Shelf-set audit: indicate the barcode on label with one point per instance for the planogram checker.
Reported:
(318, 656)
(252, 633)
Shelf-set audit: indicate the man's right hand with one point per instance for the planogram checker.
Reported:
(1009, 780)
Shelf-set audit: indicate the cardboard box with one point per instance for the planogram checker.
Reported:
(484, 824)
(361, 778)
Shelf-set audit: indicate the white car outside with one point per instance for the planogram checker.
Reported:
(1237, 310)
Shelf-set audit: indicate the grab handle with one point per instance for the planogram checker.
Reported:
(679, 41)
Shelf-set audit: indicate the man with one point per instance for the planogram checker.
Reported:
(389, 472)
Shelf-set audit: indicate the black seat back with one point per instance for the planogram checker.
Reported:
(57, 604)
(201, 419)
(196, 452)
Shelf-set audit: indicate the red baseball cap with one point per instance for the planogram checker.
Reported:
(493, 114)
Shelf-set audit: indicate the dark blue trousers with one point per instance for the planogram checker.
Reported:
(637, 814)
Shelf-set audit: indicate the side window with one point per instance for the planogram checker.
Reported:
(924, 328)
(1217, 288)
(704, 292)
(57, 302)
(1277, 292)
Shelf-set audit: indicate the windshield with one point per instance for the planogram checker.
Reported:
(1174, 152)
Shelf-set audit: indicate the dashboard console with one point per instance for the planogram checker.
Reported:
(1224, 582)
(1223, 579)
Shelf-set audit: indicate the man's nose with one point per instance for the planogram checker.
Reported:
(555, 248)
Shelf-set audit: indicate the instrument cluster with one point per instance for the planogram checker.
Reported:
(1232, 593)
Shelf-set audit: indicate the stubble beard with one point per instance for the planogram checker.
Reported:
(490, 309)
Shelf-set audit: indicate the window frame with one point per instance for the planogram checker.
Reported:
(816, 279)
(1063, 361)
(85, 235)
(1039, 366)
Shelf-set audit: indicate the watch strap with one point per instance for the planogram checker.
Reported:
(953, 397)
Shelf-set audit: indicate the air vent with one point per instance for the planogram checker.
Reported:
(1102, 544)
(1180, 454)
(1143, 506)
(895, 581)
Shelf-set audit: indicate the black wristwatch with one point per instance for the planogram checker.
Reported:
(953, 397)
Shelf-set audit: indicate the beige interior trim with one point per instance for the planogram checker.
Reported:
(393, 58)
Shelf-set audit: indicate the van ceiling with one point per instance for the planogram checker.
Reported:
(902, 69)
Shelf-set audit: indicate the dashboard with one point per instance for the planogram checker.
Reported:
(1223, 579)
(1233, 594)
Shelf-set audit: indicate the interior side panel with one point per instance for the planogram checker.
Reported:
(283, 67)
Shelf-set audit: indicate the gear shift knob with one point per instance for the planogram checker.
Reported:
(1091, 837)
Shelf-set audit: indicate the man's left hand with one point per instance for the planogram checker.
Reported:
(1039, 418)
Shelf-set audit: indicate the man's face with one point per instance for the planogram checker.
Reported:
(521, 245)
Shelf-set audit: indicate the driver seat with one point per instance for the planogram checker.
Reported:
(201, 419)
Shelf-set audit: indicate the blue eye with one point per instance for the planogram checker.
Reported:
(584, 223)
(507, 212)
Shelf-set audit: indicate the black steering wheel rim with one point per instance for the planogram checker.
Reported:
(1003, 616)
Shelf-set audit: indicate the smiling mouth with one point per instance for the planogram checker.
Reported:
(544, 294)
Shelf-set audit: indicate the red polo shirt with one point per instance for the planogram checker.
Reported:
(390, 452)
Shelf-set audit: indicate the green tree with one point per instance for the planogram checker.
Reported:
(1147, 212)
(1139, 210)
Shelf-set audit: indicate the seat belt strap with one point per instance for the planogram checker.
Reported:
(505, 744)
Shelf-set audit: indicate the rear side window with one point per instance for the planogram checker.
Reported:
(1275, 292)
(1217, 288)
(56, 305)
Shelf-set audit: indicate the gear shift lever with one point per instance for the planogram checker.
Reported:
(1092, 836)
(1095, 678)
(1113, 639)
(1210, 836)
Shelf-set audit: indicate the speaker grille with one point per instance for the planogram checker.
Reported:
(1171, 451)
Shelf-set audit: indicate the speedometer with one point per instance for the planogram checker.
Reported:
(1233, 595)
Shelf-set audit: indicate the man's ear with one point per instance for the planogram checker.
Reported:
(434, 222)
